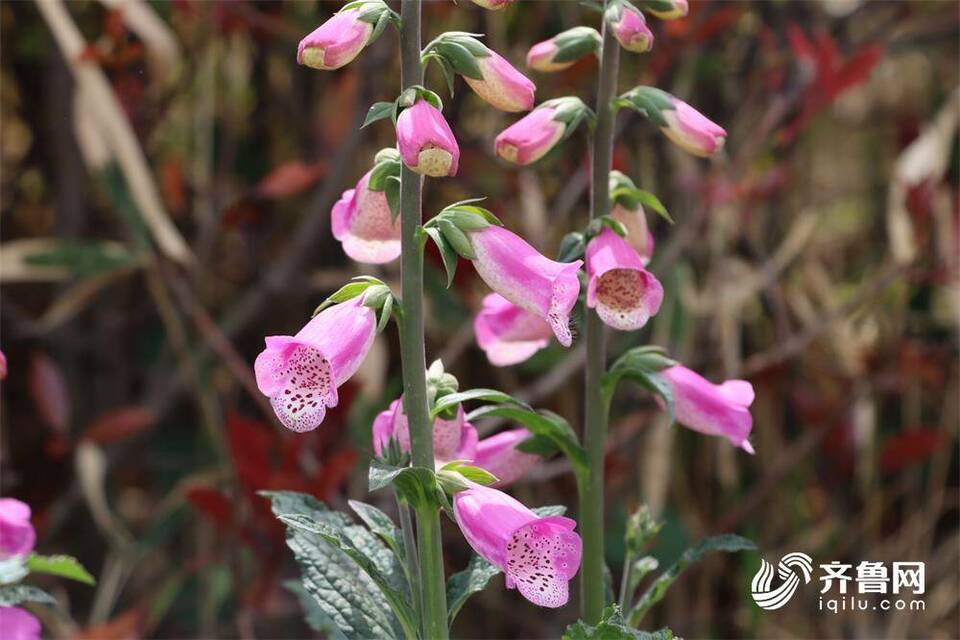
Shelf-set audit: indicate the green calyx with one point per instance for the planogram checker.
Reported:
(375, 294)
(451, 228)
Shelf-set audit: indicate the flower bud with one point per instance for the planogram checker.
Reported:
(630, 27)
(692, 131)
(563, 50)
(426, 142)
(502, 86)
(336, 42)
(530, 138)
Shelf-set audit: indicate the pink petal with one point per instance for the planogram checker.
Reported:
(336, 42)
(530, 138)
(19, 624)
(542, 557)
(502, 86)
(624, 294)
(507, 333)
(499, 455)
(363, 223)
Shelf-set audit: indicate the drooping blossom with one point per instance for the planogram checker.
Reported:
(493, 5)
(19, 624)
(362, 222)
(638, 233)
(499, 455)
(525, 277)
(631, 30)
(531, 137)
(502, 86)
(666, 9)
(426, 142)
(539, 556)
(509, 334)
(301, 373)
(17, 535)
(563, 50)
(712, 409)
(691, 130)
(624, 294)
(454, 439)
(336, 42)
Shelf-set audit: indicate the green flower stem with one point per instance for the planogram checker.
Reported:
(596, 409)
(433, 598)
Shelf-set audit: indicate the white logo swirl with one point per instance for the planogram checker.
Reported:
(767, 598)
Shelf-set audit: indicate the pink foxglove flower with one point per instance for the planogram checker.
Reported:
(17, 535)
(691, 130)
(19, 624)
(631, 30)
(564, 49)
(362, 222)
(624, 294)
(531, 137)
(502, 86)
(538, 555)
(667, 9)
(507, 333)
(712, 409)
(499, 455)
(426, 142)
(638, 233)
(336, 42)
(454, 439)
(519, 273)
(541, 57)
(493, 5)
(300, 374)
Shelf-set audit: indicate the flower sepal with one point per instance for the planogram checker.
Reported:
(642, 365)
(450, 230)
(625, 193)
(460, 475)
(666, 9)
(650, 102)
(564, 49)
(682, 124)
(385, 177)
(375, 294)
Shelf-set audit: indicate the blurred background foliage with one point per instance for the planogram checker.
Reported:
(141, 266)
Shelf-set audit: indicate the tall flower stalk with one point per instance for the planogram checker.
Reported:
(433, 604)
(595, 412)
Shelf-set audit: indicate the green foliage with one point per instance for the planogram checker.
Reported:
(612, 626)
(63, 566)
(415, 485)
(82, 258)
(453, 399)
(642, 365)
(465, 583)
(14, 594)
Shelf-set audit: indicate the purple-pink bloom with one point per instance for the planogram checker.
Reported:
(631, 30)
(300, 374)
(361, 220)
(336, 42)
(426, 142)
(454, 439)
(540, 57)
(624, 294)
(538, 555)
(19, 624)
(638, 233)
(507, 333)
(525, 277)
(499, 455)
(531, 137)
(712, 409)
(17, 535)
(502, 86)
(691, 130)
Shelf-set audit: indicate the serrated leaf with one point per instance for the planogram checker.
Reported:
(63, 566)
(453, 399)
(381, 524)
(314, 615)
(464, 584)
(447, 254)
(728, 542)
(378, 111)
(612, 626)
(14, 594)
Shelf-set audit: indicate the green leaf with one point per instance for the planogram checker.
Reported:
(82, 257)
(348, 291)
(571, 247)
(14, 594)
(340, 588)
(416, 485)
(542, 423)
(651, 201)
(63, 566)
(453, 399)
(459, 470)
(447, 253)
(381, 524)
(315, 617)
(378, 111)
(642, 365)
(465, 583)
(612, 626)
(729, 542)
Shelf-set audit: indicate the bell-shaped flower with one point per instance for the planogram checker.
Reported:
(499, 455)
(426, 142)
(691, 130)
(638, 233)
(19, 624)
(531, 137)
(502, 86)
(301, 373)
(453, 439)
(539, 556)
(509, 334)
(712, 409)
(624, 294)
(563, 50)
(493, 5)
(666, 9)
(362, 222)
(336, 42)
(17, 535)
(525, 277)
(630, 28)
